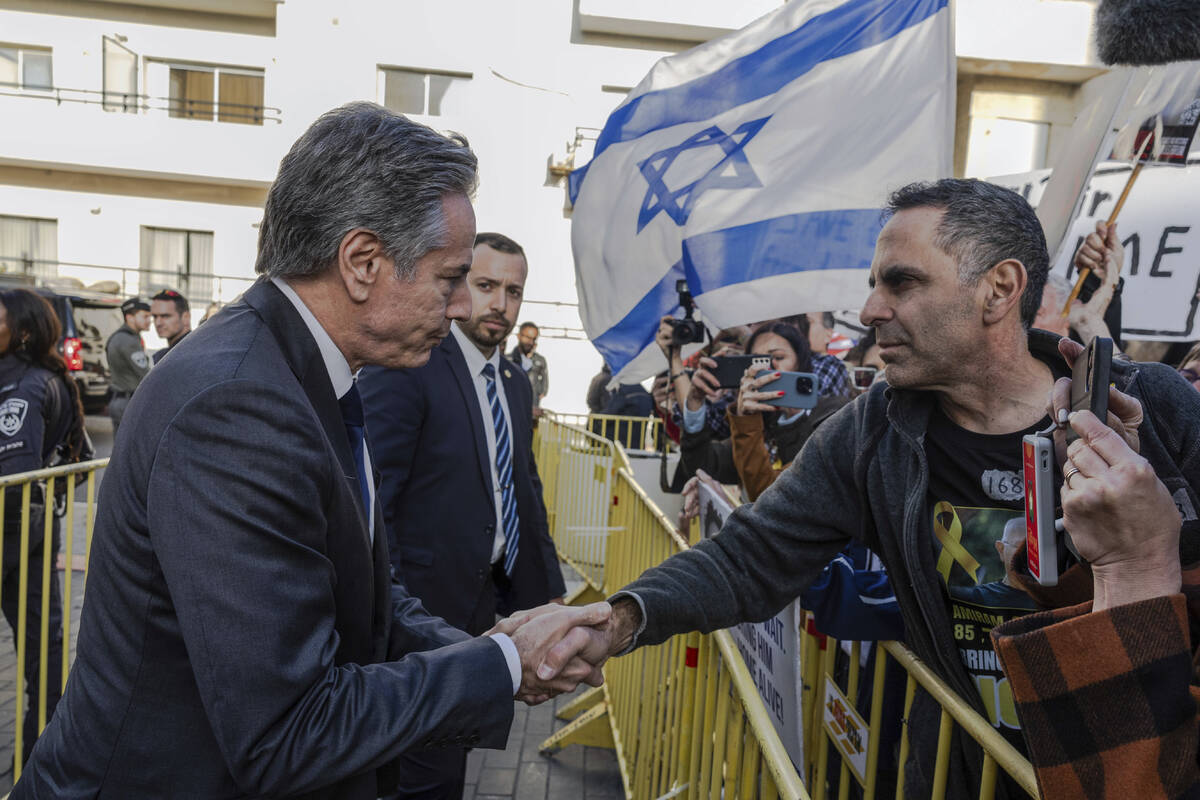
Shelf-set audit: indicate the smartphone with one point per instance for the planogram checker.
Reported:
(1041, 538)
(1090, 379)
(730, 369)
(799, 390)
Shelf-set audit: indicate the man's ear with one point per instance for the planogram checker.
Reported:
(360, 262)
(1003, 285)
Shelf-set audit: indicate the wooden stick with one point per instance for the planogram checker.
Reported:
(1112, 218)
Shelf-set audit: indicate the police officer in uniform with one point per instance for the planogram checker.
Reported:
(41, 425)
(128, 362)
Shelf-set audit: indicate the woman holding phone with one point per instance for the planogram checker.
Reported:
(763, 438)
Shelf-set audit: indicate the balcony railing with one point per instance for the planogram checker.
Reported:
(198, 288)
(137, 103)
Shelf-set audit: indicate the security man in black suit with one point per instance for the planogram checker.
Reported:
(461, 497)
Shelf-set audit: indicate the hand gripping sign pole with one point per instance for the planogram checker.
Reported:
(1112, 218)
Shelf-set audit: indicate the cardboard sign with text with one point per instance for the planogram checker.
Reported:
(770, 649)
(1160, 229)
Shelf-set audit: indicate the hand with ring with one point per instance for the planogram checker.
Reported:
(1120, 516)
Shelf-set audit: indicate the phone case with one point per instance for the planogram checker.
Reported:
(1089, 381)
(799, 390)
(1041, 544)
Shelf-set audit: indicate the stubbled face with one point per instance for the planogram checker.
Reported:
(783, 357)
(527, 339)
(497, 284)
(928, 324)
(138, 320)
(403, 319)
(168, 322)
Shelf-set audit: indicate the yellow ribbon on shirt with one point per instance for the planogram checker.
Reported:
(953, 551)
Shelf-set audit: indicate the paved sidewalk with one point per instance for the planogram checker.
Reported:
(519, 773)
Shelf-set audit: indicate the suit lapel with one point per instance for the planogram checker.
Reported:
(466, 385)
(301, 352)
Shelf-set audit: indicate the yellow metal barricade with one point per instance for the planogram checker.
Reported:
(577, 469)
(632, 433)
(69, 482)
(685, 717)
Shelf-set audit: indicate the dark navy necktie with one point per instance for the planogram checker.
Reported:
(504, 469)
(352, 417)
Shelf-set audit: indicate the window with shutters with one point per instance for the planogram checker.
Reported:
(422, 92)
(25, 67)
(226, 94)
(177, 259)
(29, 246)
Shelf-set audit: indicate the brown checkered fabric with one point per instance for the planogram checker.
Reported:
(1107, 701)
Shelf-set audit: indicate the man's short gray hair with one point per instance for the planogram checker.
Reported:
(361, 166)
(983, 224)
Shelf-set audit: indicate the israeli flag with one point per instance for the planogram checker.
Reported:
(755, 167)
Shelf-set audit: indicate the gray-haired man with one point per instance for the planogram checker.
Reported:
(242, 635)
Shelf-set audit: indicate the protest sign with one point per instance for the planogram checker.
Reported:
(770, 649)
(1160, 229)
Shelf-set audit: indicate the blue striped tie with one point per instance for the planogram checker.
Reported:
(504, 469)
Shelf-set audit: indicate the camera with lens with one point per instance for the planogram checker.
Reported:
(686, 330)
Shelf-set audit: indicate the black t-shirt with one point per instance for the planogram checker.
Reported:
(976, 490)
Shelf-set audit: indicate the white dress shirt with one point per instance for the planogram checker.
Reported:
(475, 364)
(342, 379)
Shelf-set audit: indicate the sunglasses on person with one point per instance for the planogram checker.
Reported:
(863, 376)
(1190, 374)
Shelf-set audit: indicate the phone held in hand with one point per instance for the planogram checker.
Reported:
(1043, 550)
(799, 390)
(730, 369)
(1089, 381)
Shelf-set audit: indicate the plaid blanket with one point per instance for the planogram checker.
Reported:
(1107, 700)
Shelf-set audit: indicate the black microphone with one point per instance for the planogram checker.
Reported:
(1142, 32)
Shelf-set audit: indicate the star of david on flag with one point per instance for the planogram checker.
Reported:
(755, 166)
(654, 169)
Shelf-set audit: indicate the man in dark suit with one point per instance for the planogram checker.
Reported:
(242, 636)
(461, 497)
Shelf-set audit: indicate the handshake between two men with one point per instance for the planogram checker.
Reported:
(563, 646)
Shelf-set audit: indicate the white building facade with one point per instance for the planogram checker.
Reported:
(138, 139)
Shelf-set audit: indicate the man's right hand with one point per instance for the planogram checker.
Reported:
(578, 658)
(604, 641)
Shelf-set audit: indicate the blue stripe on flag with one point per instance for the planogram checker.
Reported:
(621, 343)
(854, 26)
(840, 239)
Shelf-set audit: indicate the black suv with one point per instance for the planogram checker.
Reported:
(88, 318)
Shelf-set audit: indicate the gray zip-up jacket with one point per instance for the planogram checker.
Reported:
(864, 475)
